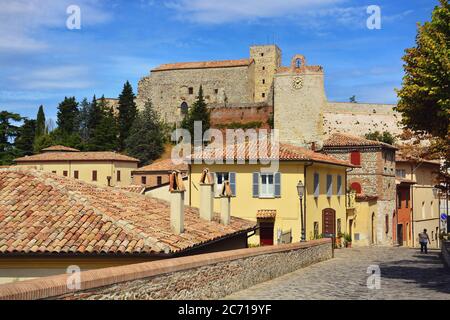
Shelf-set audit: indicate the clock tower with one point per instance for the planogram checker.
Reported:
(299, 103)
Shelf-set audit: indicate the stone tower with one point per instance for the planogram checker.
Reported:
(267, 60)
(299, 97)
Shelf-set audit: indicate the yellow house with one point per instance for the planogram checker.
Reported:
(271, 198)
(101, 168)
(361, 219)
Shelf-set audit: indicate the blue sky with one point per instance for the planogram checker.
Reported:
(41, 60)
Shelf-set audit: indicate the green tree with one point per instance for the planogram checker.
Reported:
(424, 99)
(40, 122)
(25, 138)
(8, 131)
(105, 137)
(146, 139)
(198, 112)
(68, 115)
(127, 113)
(94, 117)
(385, 137)
(84, 114)
(44, 141)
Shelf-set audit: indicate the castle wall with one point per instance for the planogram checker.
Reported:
(267, 60)
(222, 116)
(169, 89)
(360, 118)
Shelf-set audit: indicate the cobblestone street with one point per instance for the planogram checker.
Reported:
(405, 274)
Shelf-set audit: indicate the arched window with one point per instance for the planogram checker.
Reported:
(298, 63)
(184, 108)
(355, 158)
(357, 187)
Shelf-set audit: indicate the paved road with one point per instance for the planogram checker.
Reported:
(405, 274)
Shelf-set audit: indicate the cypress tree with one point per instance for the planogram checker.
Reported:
(198, 112)
(146, 139)
(67, 116)
(127, 113)
(40, 122)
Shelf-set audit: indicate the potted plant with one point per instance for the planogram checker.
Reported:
(348, 240)
(339, 240)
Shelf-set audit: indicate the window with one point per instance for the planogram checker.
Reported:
(158, 180)
(355, 158)
(264, 81)
(65, 173)
(316, 185)
(262, 54)
(357, 187)
(298, 63)
(386, 223)
(143, 180)
(216, 91)
(264, 68)
(184, 108)
(266, 185)
(407, 199)
(94, 175)
(191, 90)
(220, 178)
(423, 209)
(339, 185)
(399, 200)
(76, 174)
(54, 172)
(401, 173)
(329, 185)
(118, 175)
(263, 95)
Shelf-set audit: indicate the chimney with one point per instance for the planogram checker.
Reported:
(177, 189)
(206, 195)
(225, 203)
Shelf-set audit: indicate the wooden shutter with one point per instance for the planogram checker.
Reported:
(255, 188)
(277, 185)
(316, 185)
(339, 185)
(232, 177)
(355, 158)
(329, 185)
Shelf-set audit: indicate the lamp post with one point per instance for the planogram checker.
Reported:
(301, 193)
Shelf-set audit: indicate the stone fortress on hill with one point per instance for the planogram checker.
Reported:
(259, 88)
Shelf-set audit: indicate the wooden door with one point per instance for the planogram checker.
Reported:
(329, 223)
(400, 234)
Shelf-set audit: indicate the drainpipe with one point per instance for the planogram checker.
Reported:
(305, 166)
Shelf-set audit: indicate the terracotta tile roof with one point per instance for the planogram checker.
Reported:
(204, 65)
(266, 214)
(348, 140)
(400, 158)
(163, 165)
(77, 156)
(60, 148)
(249, 151)
(403, 180)
(44, 213)
(133, 188)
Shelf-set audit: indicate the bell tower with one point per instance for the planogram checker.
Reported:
(299, 103)
(267, 60)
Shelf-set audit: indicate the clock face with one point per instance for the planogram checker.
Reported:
(297, 83)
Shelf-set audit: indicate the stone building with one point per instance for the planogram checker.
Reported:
(375, 177)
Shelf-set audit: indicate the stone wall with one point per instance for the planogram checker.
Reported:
(207, 276)
(169, 89)
(362, 118)
(222, 116)
(267, 60)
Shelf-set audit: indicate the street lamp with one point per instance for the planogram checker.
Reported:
(301, 193)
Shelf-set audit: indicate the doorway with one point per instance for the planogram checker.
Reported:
(329, 223)
(400, 234)
(266, 233)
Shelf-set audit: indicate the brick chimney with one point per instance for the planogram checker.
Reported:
(177, 190)
(225, 203)
(206, 195)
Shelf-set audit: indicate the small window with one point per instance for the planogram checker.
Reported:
(216, 91)
(263, 95)
(65, 173)
(158, 180)
(401, 173)
(264, 68)
(184, 108)
(262, 54)
(94, 175)
(267, 188)
(54, 172)
(316, 185)
(387, 223)
(264, 81)
(329, 185)
(143, 180)
(191, 90)
(118, 175)
(355, 158)
(76, 174)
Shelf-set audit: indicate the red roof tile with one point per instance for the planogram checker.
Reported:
(266, 214)
(286, 152)
(347, 140)
(164, 165)
(204, 65)
(44, 213)
(60, 148)
(77, 156)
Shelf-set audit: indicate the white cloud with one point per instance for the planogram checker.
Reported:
(54, 78)
(22, 20)
(223, 11)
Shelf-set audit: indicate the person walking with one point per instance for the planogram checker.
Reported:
(424, 239)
